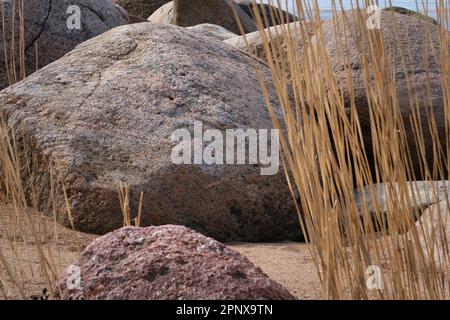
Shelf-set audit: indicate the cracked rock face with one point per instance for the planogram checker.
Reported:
(166, 263)
(105, 113)
(46, 35)
(187, 13)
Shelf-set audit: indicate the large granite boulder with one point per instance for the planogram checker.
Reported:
(47, 36)
(105, 113)
(411, 54)
(165, 263)
(187, 13)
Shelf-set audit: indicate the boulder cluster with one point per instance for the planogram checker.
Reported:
(100, 98)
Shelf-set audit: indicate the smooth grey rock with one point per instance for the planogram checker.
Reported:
(421, 194)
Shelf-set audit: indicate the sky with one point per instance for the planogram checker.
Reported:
(325, 5)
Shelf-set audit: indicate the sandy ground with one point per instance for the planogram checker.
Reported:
(60, 247)
(287, 263)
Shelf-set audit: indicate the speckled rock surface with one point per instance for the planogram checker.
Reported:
(104, 114)
(166, 263)
(187, 13)
(46, 31)
(414, 38)
(141, 8)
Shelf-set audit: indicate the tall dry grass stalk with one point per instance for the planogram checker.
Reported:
(13, 42)
(31, 248)
(21, 230)
(327, 161)
(124, 199)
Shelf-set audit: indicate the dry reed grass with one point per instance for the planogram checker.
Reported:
(34, 241)
(326, 159)
(31, 246)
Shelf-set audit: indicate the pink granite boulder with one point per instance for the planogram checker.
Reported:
(165, 262)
